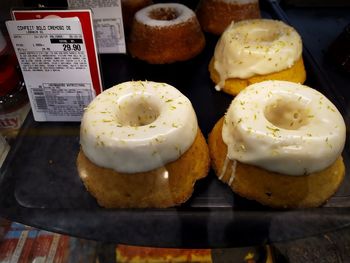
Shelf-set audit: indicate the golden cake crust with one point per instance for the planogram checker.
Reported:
(233, 86)
(129, 8)
(156, 188)
(274, 189)
(134, 254)
(162, 45)
(214, 16)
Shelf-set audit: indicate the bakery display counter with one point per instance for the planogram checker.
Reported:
(40, 186)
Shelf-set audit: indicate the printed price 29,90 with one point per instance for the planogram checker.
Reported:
(73, 47)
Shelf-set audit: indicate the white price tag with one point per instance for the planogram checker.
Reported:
(108, 23)
(53, 58)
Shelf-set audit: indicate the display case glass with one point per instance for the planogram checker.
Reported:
(40, 186)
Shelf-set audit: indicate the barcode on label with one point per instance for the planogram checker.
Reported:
(61, 101)
(40, 100)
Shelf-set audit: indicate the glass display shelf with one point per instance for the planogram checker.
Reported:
(39, 184)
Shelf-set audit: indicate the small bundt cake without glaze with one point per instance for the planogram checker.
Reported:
(255, 50)
(165, 33)
(280, 144)
(129, 8)
(141, 147)
(215, 15)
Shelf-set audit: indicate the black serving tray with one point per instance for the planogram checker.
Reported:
(39, 184)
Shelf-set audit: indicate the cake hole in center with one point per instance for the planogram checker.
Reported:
(137, 112)
(286, 113)
(164, 14)
(266, 36)
(252, 34)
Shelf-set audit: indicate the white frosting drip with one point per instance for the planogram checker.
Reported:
(233, 172)
(137, 127)
(256, 47)
(224, 168)
(183, 14)
(284, 127)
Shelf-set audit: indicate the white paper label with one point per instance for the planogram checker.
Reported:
(108, 23)
(54, 63)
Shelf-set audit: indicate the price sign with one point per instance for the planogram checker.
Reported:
(53, 57)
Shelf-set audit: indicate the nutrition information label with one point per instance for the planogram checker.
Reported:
(108, 23)
(53, 59)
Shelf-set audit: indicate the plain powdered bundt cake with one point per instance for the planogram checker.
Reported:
(129, 8)
(165, 33)
(215, 15)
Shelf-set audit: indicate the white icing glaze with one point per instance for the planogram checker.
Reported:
(183, 14)
(233, 172)
(283, 127)
(224, 168)
(255, 47)
(137, 126)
